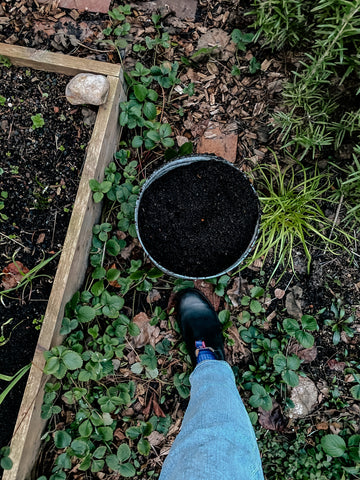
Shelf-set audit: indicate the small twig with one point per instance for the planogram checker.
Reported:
(335, 219)
(53, 233)
(15, 241)
(163, 105)
(94, 49)
(10, 130)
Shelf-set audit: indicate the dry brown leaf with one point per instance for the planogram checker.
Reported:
(335, 365)
(335, 428)
(147, 409)
(279, 293)
(13, 275)
(208, 290)
(157, 409)
(126, 252)
(147, 332)
(322, 426)
(293, 302)
(308, 355)
(234, 292)
(153, 296)
(239, 345)
(118, 433)
(41, 238)
(274, 419)
(155, 438)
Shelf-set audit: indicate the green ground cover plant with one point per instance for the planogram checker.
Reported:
(92, 377)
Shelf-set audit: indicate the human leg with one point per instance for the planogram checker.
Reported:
(217, 440)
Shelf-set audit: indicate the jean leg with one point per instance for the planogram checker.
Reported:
(217, 440)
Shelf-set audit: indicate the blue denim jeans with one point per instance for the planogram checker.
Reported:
(217, 440)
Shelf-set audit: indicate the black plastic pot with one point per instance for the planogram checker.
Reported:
(197, 217)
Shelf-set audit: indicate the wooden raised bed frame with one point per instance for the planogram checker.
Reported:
(74, 257)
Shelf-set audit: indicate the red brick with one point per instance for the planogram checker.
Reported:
(101, 6)
(218, 143)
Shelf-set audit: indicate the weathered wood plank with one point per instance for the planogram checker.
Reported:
(56, 62)
(69, 277)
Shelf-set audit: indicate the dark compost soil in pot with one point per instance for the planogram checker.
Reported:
(198, 219)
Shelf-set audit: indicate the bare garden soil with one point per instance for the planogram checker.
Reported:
(41, 171)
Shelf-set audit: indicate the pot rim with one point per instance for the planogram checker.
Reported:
(180, 162)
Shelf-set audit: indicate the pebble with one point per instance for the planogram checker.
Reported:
(87, 88)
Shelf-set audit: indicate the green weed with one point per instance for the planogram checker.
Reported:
(37, 121)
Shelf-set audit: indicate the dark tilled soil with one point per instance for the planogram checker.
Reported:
(198, 220)
(41, 170)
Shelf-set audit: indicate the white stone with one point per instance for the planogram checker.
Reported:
(305, 398)
(87, 88)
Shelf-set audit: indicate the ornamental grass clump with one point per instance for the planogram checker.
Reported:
(292, 217)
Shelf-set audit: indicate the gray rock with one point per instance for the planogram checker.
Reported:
(305, 398)
(87, 88)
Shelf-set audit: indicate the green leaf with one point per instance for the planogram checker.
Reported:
(137, 141)
(245, 300)
(106, 433)
(85, 464)
(80, 447)
(72, 360)
(100, 452)
(279, 362)
(123, 224)
(293, 362)
(98, 273)
(309, 323)
(140, 92)
(94, 185)
(224, 316)
(112, 462)
(127, 470)
(290, 378)
(112, 247)
(355, 392)
(86, 428)
(112, 274)
(86, 314)
(304, 338)
(143, 446)
(137, 368)
(6, 463)
(165, 130)
(123, 452)
(255, 306)
(133, 329)
(62, 439)
(98, 196)
(97, 466)
(336, 337)
(152, 95)
(149, 110)
(291, 326)
(333, 445)
(97, 288)
(133, 432)
(257, 292)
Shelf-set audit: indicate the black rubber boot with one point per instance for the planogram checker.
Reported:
(198, 321)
